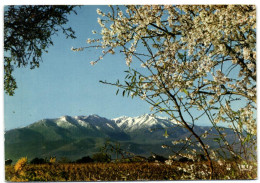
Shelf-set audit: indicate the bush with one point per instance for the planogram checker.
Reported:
(156, 157)
(8, 162)
(37, 161)
(101, 157)
(184, 159)
(85, 159)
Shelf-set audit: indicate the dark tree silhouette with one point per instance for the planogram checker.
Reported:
(8, 162)
(85, 159)
(38, 161)
(28, 32)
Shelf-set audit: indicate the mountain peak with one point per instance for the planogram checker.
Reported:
(65, 122)
(64, 118)
(143, 121)
(95, 116)
(83, 134)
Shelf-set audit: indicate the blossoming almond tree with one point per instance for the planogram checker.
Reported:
(197, 63)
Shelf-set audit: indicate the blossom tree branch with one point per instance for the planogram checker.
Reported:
(197, 63)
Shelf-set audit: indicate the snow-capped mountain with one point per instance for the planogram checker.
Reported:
(124, 123)
(78, 136)
(91, 121)
(147, 121)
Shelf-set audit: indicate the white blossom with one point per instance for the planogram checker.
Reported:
(207, 52)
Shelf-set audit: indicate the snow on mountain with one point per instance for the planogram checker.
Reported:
(144, 121)
(81, 122)
(110, 126)
(89, 132)
(65, 122)
(123, 123)
(91, 121)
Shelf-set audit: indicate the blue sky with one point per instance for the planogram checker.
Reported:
(66, 83)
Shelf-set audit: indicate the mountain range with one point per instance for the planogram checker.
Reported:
(75, 137)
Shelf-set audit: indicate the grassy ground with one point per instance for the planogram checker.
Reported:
(124, 172)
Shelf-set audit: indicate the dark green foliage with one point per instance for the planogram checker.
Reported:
(184, 159)
(101, 157)
(8, 162)
(156, 157)
(28, 32)
(37, 161)
(85, 159)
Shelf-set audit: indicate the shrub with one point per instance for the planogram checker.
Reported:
(101, 157)
(85, 159)
(184, 159)
(155, 157)
(8, 162)
(37, 161)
